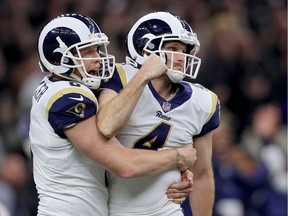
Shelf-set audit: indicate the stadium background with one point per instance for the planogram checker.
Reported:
(244, 61)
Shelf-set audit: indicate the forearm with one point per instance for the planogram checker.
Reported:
(138, 162)
(203, 194)
(114, 114)
(131, 163)
(124, 162)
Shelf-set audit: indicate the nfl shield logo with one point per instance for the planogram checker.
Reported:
(166, 106)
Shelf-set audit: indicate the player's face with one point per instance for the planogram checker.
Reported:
(92, 64)
(175, 60)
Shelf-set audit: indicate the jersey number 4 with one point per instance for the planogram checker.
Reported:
(155, 138)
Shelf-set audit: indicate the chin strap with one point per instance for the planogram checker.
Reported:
(175, 77)
(92, 83)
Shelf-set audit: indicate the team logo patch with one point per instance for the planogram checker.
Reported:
(166, 106)
(78, 110)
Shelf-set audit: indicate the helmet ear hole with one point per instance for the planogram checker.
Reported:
(56, 58)
(154, 44)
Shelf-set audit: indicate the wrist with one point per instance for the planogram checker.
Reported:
(141, 76)
(180, 161)
(177, 156)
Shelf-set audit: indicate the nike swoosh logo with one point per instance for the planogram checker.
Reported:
(78, 98)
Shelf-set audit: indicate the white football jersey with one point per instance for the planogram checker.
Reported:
(68, 182)
(154, 124)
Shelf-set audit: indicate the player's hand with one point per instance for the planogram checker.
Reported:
(178, 192)
(186, 157)
(153, 67)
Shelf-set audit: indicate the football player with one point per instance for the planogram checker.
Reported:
(170, 113)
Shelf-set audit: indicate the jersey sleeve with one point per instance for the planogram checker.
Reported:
(117, 81)
(69, 106)
(213, 120)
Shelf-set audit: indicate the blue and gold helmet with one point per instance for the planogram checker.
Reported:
(152, 30)
(59, 45)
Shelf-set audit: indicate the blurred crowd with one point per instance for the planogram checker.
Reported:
(244, 61)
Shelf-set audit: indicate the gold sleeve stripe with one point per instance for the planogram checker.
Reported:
(60, 93)
(122, 75)
(213, 108)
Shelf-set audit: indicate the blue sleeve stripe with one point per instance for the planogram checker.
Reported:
(59, 94)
